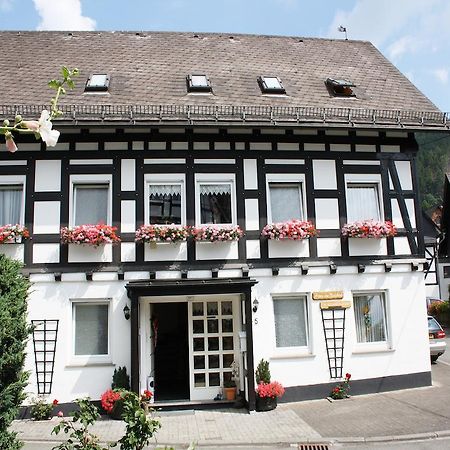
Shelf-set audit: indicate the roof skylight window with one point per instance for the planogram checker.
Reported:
(97, 82)
(198, 83)
(340, 87)
(271, 85)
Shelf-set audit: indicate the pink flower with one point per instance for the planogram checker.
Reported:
(60, 414)
(32, 125)
(10, 144)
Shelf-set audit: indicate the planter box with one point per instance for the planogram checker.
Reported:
(165, 251)
(288, 248)
(217, 250)
(13, 251)
(367, 247)
(266, 403)
(89, 253)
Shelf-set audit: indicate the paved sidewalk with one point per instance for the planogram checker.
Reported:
(406, 414)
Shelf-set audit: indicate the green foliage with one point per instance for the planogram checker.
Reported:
(439, 308)
(120, 379)
(433, 161)
(14, 332)
(41, 409)
(78, 429)
(139, 427)
(262, 372)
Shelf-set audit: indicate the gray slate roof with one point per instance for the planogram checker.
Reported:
(151, 67)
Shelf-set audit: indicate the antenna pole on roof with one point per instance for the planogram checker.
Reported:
(343, 30)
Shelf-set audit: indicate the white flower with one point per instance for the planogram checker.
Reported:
(49, 136)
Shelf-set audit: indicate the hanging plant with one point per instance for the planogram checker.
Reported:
(371, 229)
(217, 233)
(90, 235)
(162, 233)
(293, 229)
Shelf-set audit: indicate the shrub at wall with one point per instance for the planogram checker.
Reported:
(14, 331)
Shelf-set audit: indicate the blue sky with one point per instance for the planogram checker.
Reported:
(413, 34)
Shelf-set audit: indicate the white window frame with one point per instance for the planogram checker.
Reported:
(215, 178)
(176, 178)
(366, 179)
(379, 346)
(86, 360)
(297, 351)
(89, 180)
(286, 178)
(15, 180)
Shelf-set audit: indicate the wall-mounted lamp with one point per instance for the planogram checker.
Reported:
(255, 305)
(126, 312)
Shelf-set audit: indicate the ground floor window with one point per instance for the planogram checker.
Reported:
(370, 317)
(90, 324)
(291, 321)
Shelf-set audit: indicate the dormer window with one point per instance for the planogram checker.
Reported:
(271, 85)
(97, 82)
(340, 87)
(198, 83)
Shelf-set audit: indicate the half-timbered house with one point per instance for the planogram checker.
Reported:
(229, 130)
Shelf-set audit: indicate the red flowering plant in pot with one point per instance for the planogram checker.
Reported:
(342, 389)
(10, 234)
(267, 391)
(294, 230)
(94, 235)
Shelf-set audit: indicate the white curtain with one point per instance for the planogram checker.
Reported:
(91, 329)
(215, 189)
(370, 318)
(362, 202)
(290, 322)
(91, 204)
(10, 205)
(285, 202)
(165, 189)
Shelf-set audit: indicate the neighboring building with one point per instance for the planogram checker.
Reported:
(431, 237)
(229, 129)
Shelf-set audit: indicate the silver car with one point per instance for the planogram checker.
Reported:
(437, 339)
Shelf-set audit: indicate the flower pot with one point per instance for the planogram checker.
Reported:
(266, 403)
(229, 393)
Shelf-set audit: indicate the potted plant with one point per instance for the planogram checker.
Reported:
(217, 233)
(267, 392)
(94, 235)
(369, 229)
(41, 409)
(230, 386)
(341, 390)
(293, 229)
(162, 233)
(10, 234)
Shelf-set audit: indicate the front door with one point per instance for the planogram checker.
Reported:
(213, 343)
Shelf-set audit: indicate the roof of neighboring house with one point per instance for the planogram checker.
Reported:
(150, 68)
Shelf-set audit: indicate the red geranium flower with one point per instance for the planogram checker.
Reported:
(348, 376)
(148, 394)
(55, 402)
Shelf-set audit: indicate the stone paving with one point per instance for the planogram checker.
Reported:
(391, 415)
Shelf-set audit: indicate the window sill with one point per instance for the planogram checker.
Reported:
(293, 354)
(374, 349)
(85, 362)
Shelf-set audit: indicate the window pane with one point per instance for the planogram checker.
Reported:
(91, 204)
(10, 204)
(91, 329)
(215, 203)
(199, 80)
(165, 204)
(370, 318)
(272, 83)
(98, 80)
(362, 202)
(290, 322)
(285, 201)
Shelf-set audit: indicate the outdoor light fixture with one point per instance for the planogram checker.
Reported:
(255, 305)
(126, 312)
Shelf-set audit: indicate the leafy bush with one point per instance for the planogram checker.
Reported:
(14, 332)
(439, 308)
(41, 410)
(262, 372)
(120, 379)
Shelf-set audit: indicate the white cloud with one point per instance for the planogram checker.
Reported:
(62, 15)
(406, 44)
(6, 5)
(441, 75)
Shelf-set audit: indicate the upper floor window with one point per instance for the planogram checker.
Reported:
(90, 200)
(370, 317)
(11, 200)
(97, 82)
(165, 203)
(286, 201)
(340, 87)
(363, 202)
(271, 85)
(291, 321)
(198, 83)
(215, 200)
